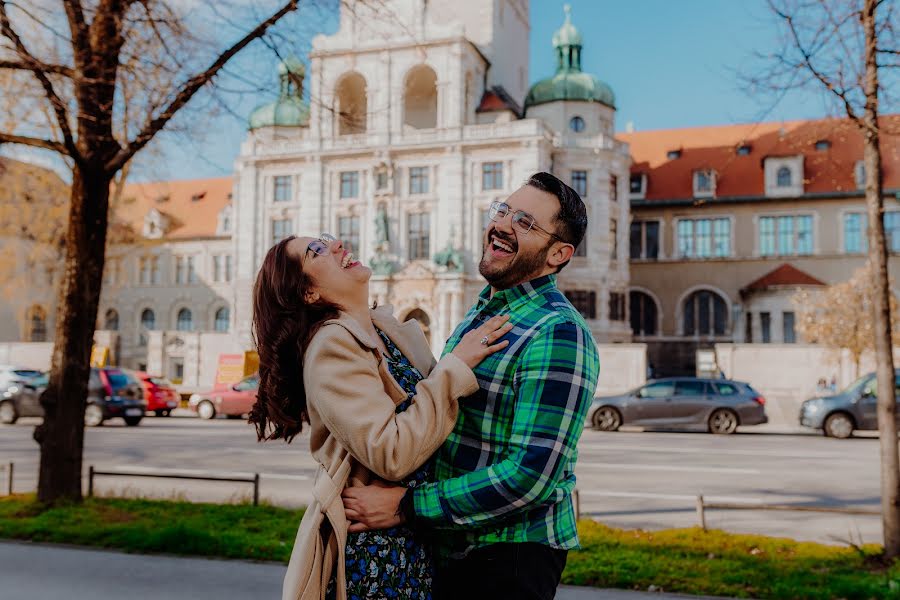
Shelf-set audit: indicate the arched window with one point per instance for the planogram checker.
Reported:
(37, 324)
(351, 104)
(783, 177)
(185, 321)
(424, 322)
(148, 323)
(111, 320)
(420, 98)
(643, 313)
(704, 313)
(222, 319)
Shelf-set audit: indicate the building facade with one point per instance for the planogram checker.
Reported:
(728, 223)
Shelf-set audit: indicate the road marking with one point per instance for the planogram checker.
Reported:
(138, 469)
(587, 448)
(654, 496)
(675, 468)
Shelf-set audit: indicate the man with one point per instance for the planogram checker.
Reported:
(501, 506)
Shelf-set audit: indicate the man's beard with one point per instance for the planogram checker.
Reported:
(524, 267)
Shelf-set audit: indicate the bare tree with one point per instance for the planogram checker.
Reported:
(849, 50)
(75, 71)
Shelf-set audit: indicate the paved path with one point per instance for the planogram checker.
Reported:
(44, 572)
(626, 479)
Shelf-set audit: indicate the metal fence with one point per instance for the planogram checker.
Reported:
(10, 471)
(703, 506)
(93, 473)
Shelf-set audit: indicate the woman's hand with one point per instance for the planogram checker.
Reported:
(478, 344)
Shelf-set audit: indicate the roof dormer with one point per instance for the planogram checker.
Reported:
(155, 224)
(224, 224)
(784, 176)
(704, 183)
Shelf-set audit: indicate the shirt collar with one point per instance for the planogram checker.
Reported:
(518, 296)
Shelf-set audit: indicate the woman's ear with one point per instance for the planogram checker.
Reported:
(311, 296)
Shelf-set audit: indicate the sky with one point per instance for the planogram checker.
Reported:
(670, 63)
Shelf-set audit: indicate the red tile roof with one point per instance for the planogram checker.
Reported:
(192, 206)
(497, 98)
(785, 275)
(715, 148)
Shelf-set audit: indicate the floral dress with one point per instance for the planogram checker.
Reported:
(390, 563)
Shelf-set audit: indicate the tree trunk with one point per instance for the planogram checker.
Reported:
(884, 360)
(61, 435)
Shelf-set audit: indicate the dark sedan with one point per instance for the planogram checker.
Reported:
(853, 409)
(718, 405)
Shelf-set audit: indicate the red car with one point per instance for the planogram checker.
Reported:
(232, 401)
(160, 395)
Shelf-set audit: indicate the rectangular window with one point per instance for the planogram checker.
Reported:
(787, 323)
(145, 270)
(636, 184)
(613, 239)
(748, 328)
(492, 176)
(616, 306)
(786, 235)
(892, 230)
(348, 232)
(180, 273)
(155, 278)
(227, 268)
(855, 233)
(644, 240)
(579, 182)
(281, 228)
(418, 236)
(191, 273)
(765, 325)
(350, 184)
(282, 188)
(217, 268)
(418, 180)
(704, 238)
(584, 302)
(613, 188)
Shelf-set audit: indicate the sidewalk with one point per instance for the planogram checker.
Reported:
(50, 572)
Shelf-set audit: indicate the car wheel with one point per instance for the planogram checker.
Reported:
(132, 421)
(839, 425)
(235, 416)
(206, 410)
(8, 414)
(159, 413)
(607, 418)
(723, 421)
(166, 413)
(93, 415)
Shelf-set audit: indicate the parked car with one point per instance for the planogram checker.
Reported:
(719, 405)
(112, 393)
(234, 401)
(11, 374)
(841, 414)
(160, 395)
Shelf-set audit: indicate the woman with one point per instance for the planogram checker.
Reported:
(377, 404)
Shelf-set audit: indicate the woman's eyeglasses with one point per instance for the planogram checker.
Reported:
(320, 246)
(521, 220)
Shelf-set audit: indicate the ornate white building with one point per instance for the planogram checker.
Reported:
(421, 116)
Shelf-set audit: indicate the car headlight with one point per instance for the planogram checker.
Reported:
(812, 406)
(13, 389)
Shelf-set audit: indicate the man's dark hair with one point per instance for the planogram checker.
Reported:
(571, 220)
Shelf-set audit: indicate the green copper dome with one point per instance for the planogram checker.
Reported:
(289, 110)
(569, 82)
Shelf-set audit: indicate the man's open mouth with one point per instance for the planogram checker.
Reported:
(500, 247)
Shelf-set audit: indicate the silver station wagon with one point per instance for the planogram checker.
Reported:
(717, 405)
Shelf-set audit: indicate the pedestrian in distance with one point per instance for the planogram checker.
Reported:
(500, 505)
(376, 402)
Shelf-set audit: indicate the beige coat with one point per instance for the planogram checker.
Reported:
(355, 433)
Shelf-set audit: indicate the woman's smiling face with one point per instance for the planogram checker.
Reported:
(336, 274)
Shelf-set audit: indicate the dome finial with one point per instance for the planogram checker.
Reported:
(567, 8)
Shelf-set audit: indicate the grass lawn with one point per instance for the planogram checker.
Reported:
(682, 560)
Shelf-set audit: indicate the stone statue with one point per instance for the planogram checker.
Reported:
(382, 231)
(382, 263)
(449, 258)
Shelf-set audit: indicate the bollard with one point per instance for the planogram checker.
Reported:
(91, 481)
(701, 513)
(11, 467)
(577, 498)
(256, 489)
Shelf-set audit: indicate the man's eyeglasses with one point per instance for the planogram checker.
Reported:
(320, 246)
(521, 220)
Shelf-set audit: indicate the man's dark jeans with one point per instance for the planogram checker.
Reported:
(515, 571)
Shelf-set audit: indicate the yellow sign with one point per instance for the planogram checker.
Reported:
(99, 356)
(251, 362)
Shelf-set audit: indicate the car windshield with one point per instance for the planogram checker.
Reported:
(161, 382)
(27, 373)
(118, 379)
(859, 384)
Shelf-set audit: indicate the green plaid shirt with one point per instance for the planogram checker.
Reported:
(507, 471)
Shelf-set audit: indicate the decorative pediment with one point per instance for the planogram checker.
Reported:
(156, 224)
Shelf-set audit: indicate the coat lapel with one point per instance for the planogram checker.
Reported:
(408, 337)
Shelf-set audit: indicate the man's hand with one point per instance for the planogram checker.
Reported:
(373, 506)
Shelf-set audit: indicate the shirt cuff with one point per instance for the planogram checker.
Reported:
(426, 504)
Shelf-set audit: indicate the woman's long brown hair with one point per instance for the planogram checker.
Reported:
(283, 325)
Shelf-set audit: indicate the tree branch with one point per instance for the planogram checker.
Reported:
(191, 87)
(9, 138)
(59, 106)
(18, 65)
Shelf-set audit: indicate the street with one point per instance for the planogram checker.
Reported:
(625, 479)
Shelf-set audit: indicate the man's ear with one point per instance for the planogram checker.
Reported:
(560, 254)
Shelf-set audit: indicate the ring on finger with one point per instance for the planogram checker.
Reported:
(484, 341)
